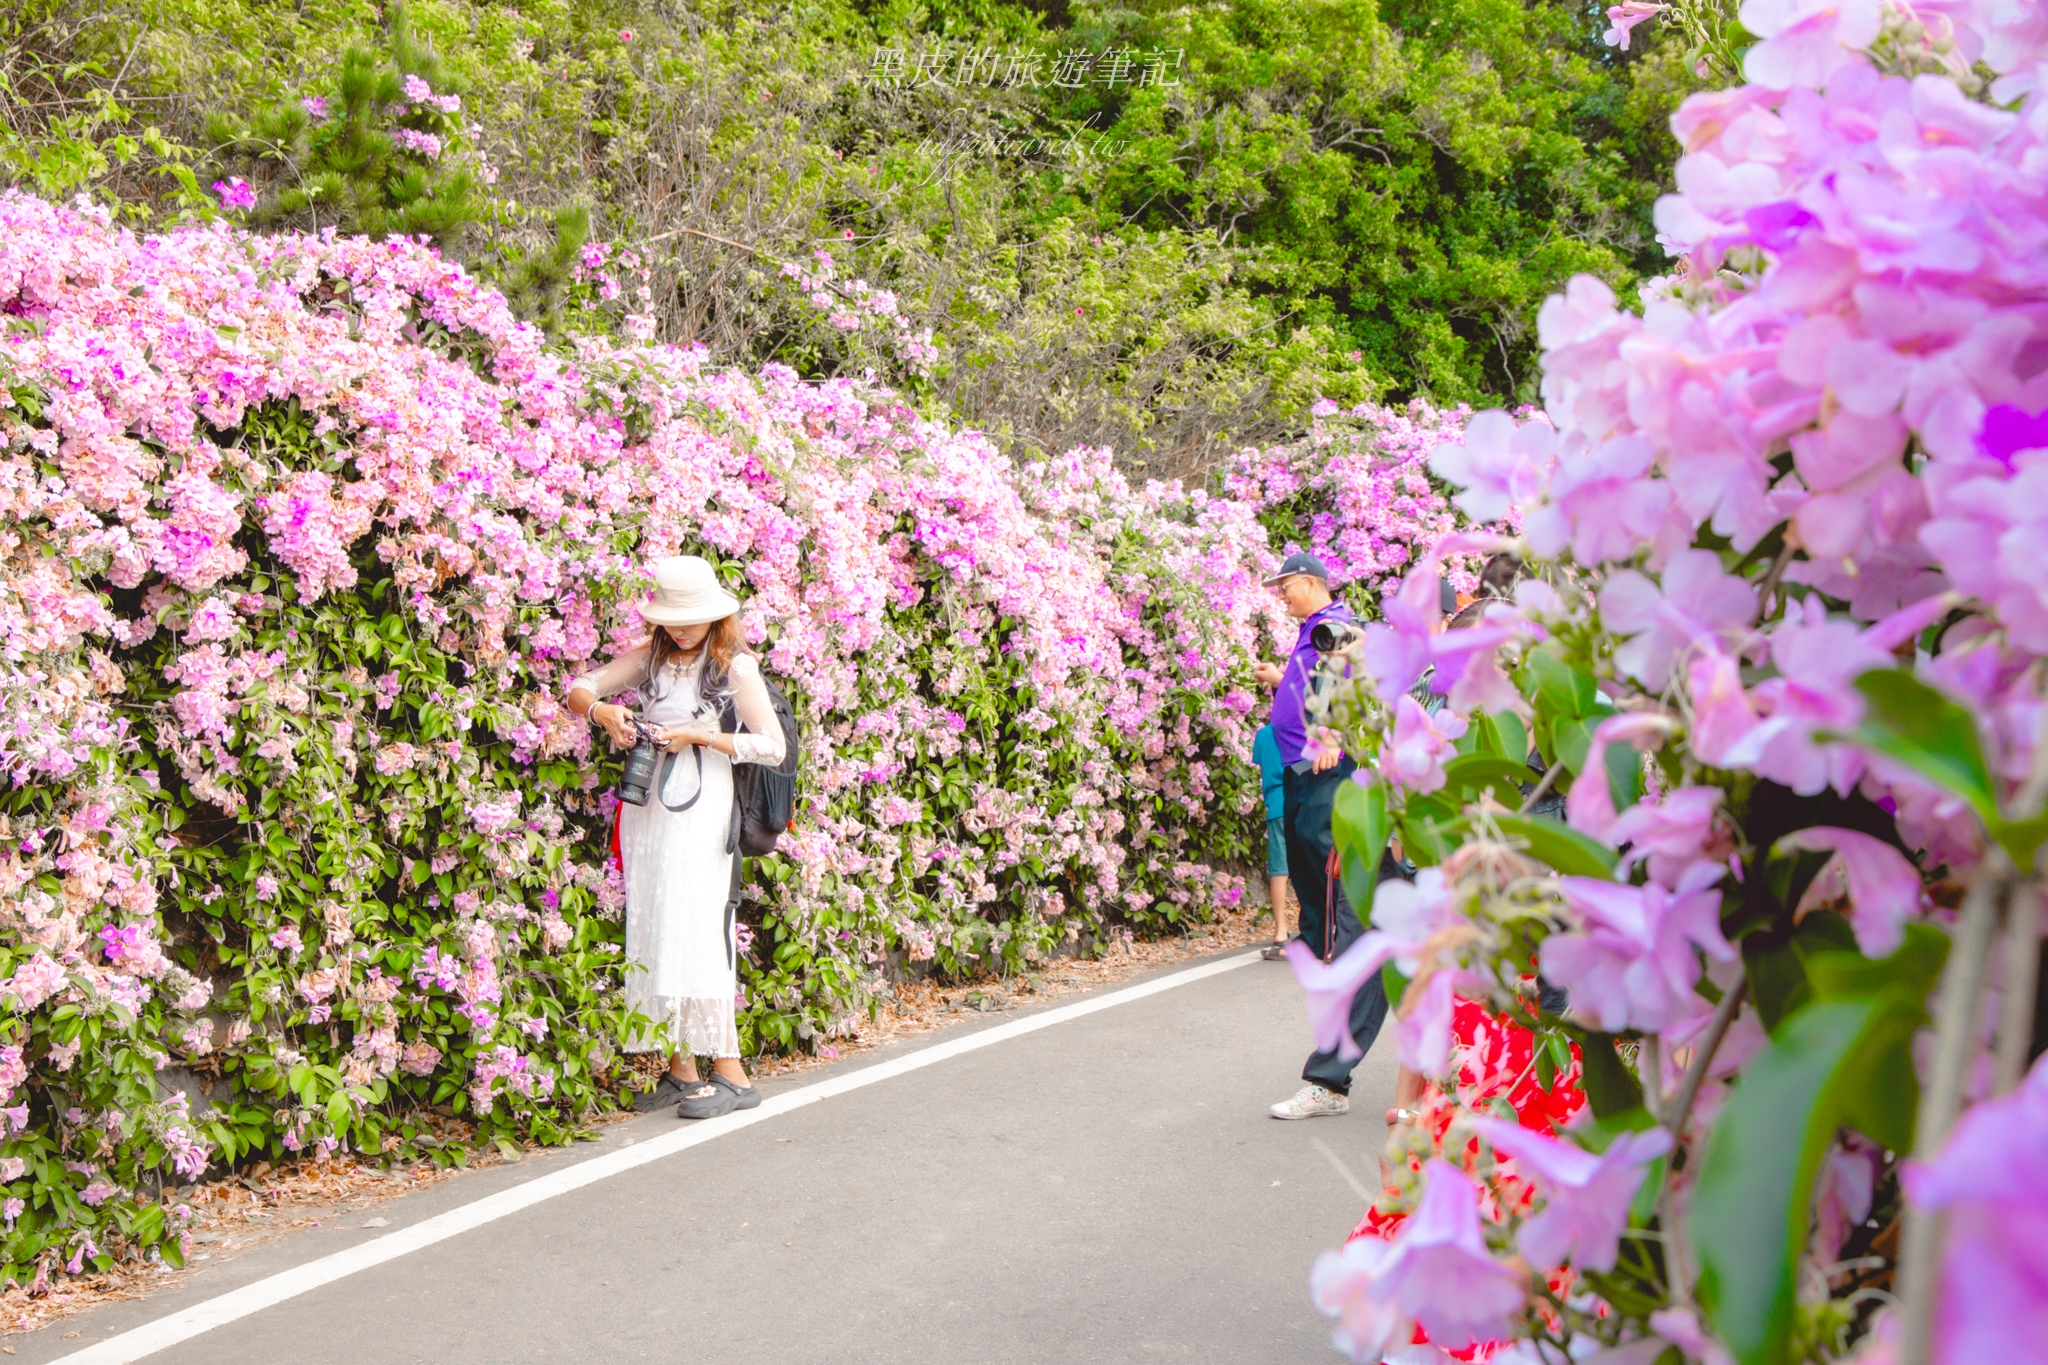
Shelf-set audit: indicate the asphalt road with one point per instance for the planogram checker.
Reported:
(1108, 1188)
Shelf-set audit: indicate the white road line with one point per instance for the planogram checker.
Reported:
(253, 1298)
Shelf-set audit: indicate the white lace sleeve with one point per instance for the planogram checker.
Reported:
(760, 737)
(626, 671)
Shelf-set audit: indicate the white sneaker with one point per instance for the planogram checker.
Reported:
(1310, 1101)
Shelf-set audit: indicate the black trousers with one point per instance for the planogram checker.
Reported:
(1328, 923)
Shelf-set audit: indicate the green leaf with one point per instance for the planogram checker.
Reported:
(1906, 720)
(1511, 737)
(1840, 972)
(1624, 775)
(2021, 839)
(1558, 688)
(1845, 1058)
(1360, 826)
(1751, 1209)
(1395, 984)
(1431, 829)
(1572, 739)
(1611, 1088)
(1558, 845)
(1477, 772)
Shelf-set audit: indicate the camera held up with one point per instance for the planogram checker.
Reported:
(1334, 637)
(637, 781)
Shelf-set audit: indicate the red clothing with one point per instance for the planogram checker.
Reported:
(1494, 1060)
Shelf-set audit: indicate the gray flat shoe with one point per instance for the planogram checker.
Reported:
(706, 1100)
(743, 1096)
(666, 1092)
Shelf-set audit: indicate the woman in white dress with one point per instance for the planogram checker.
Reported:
(679, 863)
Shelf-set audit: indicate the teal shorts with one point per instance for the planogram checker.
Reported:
(1276, 849)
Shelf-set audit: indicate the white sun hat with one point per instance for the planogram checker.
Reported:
(686, 593)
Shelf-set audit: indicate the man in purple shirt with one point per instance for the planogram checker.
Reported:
(1309, 788)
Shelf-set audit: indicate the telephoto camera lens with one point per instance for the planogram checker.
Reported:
(1332, 637)
(638, 779)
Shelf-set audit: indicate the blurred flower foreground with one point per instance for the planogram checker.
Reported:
(1782, 651)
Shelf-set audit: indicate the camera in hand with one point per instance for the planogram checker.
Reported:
(637, 781)
(1333, 637)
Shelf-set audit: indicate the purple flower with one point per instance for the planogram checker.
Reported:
(1818, 661)
(1590, 803)
(1991, 1180)
(1603, 504)
(1330, 987)
(1586, 1196)
(1671, 834)
(1625, 17)
(1501, 465)
(1636, 960)
(1696, 604)
(1422, 1029)
(121, 942)
(1437, 1272)
(1415, 754)
(1883, 887)
(1408, 913)
(235, 193)
(1396, 653)
(315, 106)
(1806, 41)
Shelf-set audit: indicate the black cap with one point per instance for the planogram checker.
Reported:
(1300, 563)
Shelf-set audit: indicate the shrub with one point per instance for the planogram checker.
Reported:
(306, 536)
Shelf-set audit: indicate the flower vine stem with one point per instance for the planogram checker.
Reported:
(1677, 1258)
(1542, 787)
(1962, 982)
(2022, 958)
(1696, 1074)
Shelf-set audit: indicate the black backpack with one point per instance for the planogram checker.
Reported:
(763, 798)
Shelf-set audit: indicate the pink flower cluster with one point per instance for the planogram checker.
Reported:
(1357, 492)
(1819, 448)
(1068, 652)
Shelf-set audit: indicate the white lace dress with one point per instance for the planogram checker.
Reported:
(680, 947)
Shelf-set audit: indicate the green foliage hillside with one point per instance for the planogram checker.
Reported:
(1168, 229)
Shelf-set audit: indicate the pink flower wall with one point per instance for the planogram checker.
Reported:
(303, 539)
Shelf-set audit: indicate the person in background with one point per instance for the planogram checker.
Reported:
(1266, 753)
(1309, 786)
(1497, 579)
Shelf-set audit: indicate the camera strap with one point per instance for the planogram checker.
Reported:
(668, 765)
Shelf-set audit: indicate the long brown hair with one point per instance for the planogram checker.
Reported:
(722, 643)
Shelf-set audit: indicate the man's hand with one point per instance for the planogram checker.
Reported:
(1328, 749)
(1267, 672)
